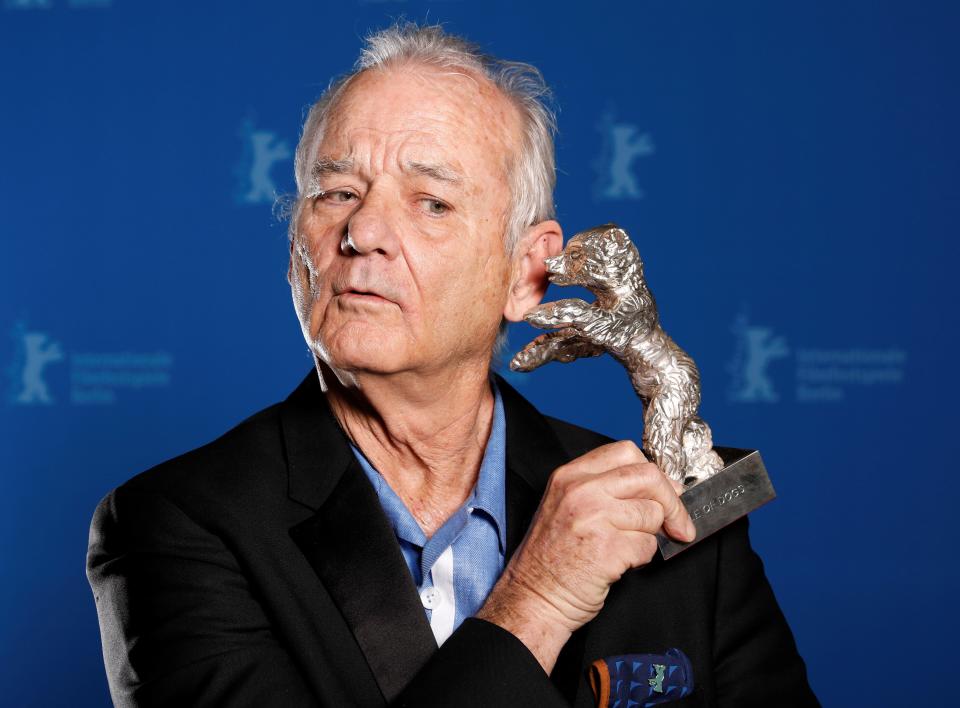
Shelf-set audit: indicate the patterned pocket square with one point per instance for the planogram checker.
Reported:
(641, 680)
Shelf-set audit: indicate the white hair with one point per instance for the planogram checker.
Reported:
(531, 172)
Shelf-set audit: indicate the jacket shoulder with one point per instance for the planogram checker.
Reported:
(243, 462)
(576, 439)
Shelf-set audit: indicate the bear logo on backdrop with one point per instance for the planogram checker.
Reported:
(756, 348)
(622, 144)
(262, 149)
(93, 378)
(33, 352)
(820, 375)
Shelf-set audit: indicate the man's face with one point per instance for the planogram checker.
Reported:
(414, 163)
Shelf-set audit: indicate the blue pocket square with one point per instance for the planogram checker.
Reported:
(641, 680)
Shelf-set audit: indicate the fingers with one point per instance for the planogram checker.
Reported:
(599, 516)
(622, 471)
(608, 457)
(635, 515)
(677, 486)
(676, 520)
(635, 548)
(639, 483)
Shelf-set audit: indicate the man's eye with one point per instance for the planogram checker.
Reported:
(338, 196)
(435, 206)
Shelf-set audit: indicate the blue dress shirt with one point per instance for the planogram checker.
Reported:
(457, 567)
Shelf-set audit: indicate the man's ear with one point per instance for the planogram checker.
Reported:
(529, 281)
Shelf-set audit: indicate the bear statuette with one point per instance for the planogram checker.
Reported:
(623, 321)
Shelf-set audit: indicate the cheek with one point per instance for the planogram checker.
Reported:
(300, 278)
(483, 295)
(452, 295)
(313, 273)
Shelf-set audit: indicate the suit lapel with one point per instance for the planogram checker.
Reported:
(533, 452)
(350, 544)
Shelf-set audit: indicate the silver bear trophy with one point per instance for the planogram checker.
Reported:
(623, 320)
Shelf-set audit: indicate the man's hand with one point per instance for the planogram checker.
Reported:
(597, 519)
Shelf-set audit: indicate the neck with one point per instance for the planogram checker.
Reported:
(426, 434)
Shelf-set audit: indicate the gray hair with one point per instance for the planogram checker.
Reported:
(531, 173)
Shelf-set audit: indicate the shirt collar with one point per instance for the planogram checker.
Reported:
(489, 493)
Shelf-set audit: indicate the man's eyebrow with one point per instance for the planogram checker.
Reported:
(442, 173)
(326, 165)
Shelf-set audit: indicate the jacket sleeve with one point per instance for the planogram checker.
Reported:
(177, 616)
(179, 622)
(481, 665)
(180, 625)
(756, 662)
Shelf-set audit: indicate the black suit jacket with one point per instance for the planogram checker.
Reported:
(261, 570)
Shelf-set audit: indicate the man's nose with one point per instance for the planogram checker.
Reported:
(372, 229)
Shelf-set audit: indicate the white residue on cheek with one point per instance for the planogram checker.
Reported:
(304, 303)
(305, 259)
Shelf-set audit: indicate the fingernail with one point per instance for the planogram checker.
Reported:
(691, 529)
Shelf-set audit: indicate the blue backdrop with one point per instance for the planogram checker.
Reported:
(789, 171)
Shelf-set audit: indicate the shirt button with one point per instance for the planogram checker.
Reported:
(430, 597)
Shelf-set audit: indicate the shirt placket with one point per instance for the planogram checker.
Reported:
(437, 591)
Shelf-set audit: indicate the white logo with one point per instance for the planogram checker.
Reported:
(623, 143)
(35, 350)
(756, 348)
(93, 378)
(820, 375)
(261, 149)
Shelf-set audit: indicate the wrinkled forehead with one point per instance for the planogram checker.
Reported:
(450, 115)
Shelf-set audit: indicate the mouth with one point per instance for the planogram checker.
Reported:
(364, 296)
(362, 293)
(363, 286)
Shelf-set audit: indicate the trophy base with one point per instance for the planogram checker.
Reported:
(739, 488)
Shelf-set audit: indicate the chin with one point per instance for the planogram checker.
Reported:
(360, 349)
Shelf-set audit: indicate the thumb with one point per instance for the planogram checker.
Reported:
(689, 529)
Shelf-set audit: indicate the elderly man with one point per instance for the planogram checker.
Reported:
(405, 528)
